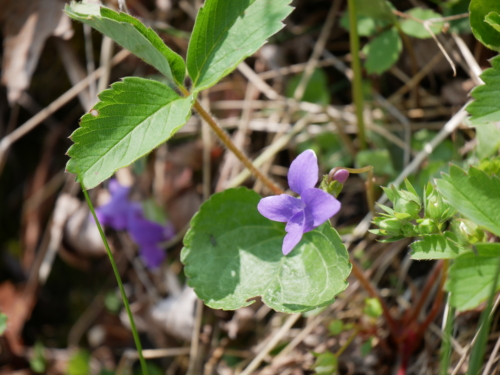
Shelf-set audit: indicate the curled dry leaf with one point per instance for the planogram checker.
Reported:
(26, 26)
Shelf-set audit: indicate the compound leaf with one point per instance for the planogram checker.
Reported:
(486, 108)
(228, 31)
(475, 195)
(232, 253)
(132, 35)
(472, 275)
(132, 118)
(383, 51)
(480, 24)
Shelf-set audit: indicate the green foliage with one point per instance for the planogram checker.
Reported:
(493, 19)
(435, 207)
(372, 308)
(232, 253)
(454, 7)
(379, 159)
(132, 118)
(367, 26)
(486, 107)
(482, 29)
(491, 166)
(474, 195)
(416, 29)
(437, 246)
(316, 90)
(472, 275)
(488, 140)
(380, 10)
(336, 326)
(37, 362)
(131, 34)
(329, 148)
(366, 347)
(226, 32)
(79, 363)
(3, 323)
(383, 51)
(326, 363)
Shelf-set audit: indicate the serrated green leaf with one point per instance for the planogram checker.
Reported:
(232, 253)
(132, 35)
(475, 195)
(3, 323)
(416, 29)
(482, 30)
(471, 276)
(486, 108)
(228, 31)
(383, 51)
(132, 118)
(437, 246)
(488, 140)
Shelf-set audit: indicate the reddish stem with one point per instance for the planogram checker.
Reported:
(372, 291)
(439, 298)
(425, 293)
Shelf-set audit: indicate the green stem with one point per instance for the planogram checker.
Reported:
(479, 348)
(120, 284)
(445, 352)
(357, 90)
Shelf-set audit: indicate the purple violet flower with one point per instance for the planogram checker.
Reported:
(114, 213)
(303, 214)
(122, 214)
(147, 235)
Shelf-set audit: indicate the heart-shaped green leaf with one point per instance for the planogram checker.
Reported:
(228, 31)
(132, 118)
(232, 253)
(475, 195)
(472, 275)
(131, 34)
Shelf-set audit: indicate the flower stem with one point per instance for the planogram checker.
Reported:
(120, 283)
(224, 138)
(357, 89)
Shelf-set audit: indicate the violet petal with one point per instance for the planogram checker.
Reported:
(280, 207)
(114, 213)
(141, 230)
(152, 255)
(295, 229)
(320, 206)
(303, 173)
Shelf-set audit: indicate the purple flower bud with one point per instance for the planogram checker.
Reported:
(341, 176)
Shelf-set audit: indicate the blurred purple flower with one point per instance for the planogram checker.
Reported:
(301, 214)
(122, 214)
(114, 213)
(147, 235)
